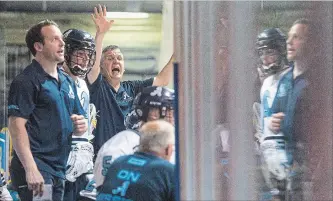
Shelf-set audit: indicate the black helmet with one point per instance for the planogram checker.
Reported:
(153, 97)
(273, 38)
(132, 121)
(76, 40)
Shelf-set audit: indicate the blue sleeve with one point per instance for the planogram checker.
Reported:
(140, 84)
(22, 98)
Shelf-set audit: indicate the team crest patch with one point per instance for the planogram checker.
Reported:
(126, 97)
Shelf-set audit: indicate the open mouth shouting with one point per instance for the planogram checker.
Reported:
(116, 69)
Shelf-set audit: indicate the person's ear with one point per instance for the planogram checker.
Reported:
(38, 46)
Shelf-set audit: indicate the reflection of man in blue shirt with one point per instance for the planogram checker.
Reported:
(292, 96)
(112, 97)
(146, 174)
(44, 111)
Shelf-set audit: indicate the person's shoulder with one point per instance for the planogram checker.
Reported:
(116, 140)
(132, 82)
(285, 70)
(124, 134)
(66, 76)
(123, 159)
(28, 75)
(161, 164)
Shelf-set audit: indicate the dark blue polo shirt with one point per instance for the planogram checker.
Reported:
(139, 177)
(47, 105)
(112, 106)
(289, 100)
(289, 95)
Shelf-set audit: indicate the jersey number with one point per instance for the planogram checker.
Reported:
(107, 160)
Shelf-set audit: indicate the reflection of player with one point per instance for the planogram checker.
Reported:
(146, 174)
(271, 46)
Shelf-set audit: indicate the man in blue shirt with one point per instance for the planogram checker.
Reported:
(112, 97)
(146, 174)
(294, 107)
(43, 111)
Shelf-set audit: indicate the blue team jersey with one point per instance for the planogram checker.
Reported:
(112, 106)
(47, 104)
(139, 177)
(289, 100)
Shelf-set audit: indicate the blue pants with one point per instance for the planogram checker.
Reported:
(17, 174)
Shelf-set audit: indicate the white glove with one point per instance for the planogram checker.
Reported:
(275, 156)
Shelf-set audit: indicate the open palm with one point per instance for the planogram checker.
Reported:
(100, 20)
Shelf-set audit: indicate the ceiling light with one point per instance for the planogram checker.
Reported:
(126, 15)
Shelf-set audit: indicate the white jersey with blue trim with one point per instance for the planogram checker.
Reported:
(267, 96)
(123, 143)
(272, 145)
(83, 94)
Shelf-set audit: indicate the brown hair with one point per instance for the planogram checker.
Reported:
(34, 34)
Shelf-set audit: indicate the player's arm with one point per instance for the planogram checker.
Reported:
(164, 76)
(21, 146)
(102, 26)
(99, 167)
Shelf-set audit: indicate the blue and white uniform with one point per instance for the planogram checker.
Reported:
(272, 145)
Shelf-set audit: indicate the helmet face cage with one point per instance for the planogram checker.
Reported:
(80, 54)
(153, 97)
(272, 39)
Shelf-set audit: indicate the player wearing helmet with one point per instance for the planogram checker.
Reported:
(151, 104)
(79, 59)
(271, 47)
(272, 51)
(79, 52)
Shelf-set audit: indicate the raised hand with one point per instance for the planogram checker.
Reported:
(100, 20)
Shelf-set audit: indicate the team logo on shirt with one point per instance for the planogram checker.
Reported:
(157, 92)
(284, 88)
(71, 92)
(126, 97)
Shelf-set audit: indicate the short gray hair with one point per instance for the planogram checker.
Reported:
(107, 48)
(156, 136)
